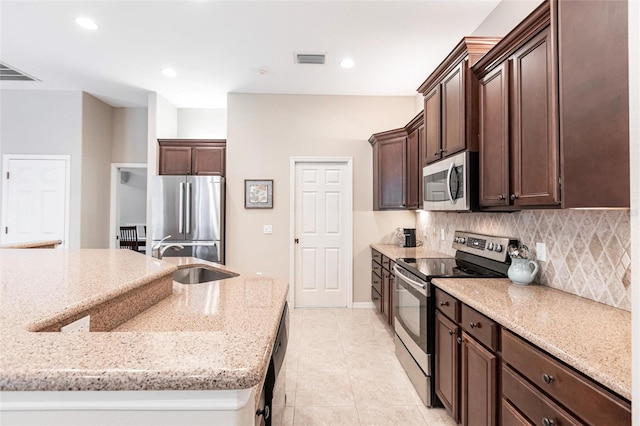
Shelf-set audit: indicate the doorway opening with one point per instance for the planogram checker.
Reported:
(128, 200)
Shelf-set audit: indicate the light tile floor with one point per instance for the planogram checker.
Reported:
(341, 369)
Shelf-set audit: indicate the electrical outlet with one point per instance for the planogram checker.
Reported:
(81, 325)
(541, 252)
(442, 234)
(267, 229)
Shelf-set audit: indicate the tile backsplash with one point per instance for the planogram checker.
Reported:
(588, 251)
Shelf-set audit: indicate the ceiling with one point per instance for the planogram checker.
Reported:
(217, 47)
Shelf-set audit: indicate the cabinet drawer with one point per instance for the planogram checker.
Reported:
(531, 402)
(593, 403)
(376, 256)
(376, 299)
(385, 262)
(376, 269)
(482, 328)
(448, 305)
(511, 416)
(376, 282)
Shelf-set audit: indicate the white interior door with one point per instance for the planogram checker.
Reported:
(35, 199)
(322, 235)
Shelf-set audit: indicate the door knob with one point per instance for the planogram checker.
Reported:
(297, 241)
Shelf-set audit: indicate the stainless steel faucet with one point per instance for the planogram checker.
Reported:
(159, 249)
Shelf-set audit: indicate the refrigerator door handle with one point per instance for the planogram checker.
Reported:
(188, 208)
(181, 209)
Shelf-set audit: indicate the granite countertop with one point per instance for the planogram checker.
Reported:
(592, 337)
(207, 336)
(32, 244)
(393, 251)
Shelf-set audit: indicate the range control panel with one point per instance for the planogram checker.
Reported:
(488, 246)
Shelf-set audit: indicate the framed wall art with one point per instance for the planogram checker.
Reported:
(258, 194)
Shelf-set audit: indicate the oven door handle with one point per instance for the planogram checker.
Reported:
(418, 285)
(449, 183)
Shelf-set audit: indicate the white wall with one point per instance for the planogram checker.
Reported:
(264, 131)
(46, 122)
(634, 134)
(132, 191)
(96, 171)
(129, 144)
(506, 15)
(202, 123)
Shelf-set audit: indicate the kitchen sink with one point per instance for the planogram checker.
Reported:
(197, 275)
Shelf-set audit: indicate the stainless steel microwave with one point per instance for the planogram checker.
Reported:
(451, 184)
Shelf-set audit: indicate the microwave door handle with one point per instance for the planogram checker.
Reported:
(181, 209)
(449, 183)
(418, 285)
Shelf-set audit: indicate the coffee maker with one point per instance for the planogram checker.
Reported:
(409, 237)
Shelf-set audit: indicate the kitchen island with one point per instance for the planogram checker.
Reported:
(156, 348)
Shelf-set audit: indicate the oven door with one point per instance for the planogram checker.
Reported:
(445, 184)
(411, 301)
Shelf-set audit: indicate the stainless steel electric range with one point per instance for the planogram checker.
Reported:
(477, 256)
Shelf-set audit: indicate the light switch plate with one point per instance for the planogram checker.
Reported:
(541, 252)
(267, 229)
(442, 234)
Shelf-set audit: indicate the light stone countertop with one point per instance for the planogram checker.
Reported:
(32, 244)
(592, 337)
(207, 336)
(393, 251)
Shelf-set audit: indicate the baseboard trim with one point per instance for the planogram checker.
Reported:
(362, 305)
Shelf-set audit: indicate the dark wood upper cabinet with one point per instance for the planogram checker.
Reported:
(389, 169)
(397, 166)
(451, 101)
(594, 102)
(566, 70)
(518, 112)
(206, 157)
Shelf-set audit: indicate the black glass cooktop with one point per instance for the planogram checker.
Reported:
(448, 267)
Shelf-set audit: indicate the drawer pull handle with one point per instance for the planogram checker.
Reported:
(547, 378)
(445, 303)
(450, 332)
(474, 324)
(548, 422)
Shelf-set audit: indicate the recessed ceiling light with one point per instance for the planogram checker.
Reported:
(169, 72)
(87, 23)
(347, 63)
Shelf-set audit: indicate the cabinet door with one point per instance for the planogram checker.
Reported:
(414, 170)
(392, 310)
(494, 137)
(447, 364)
(175, 160)
(535, 124)
(386, 288)
(208, 160)
(432, 126)
(453, 111)
(392, 171)
(479, 393)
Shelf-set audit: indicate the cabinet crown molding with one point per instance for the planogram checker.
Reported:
(472, 46)
(389, 134)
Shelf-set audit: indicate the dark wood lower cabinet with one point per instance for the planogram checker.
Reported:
(447, 361)
(479, 372)
(382, 283)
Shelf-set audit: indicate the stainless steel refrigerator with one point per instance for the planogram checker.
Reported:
(191, 210)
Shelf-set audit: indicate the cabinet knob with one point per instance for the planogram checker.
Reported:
(450, 332)
(514, 197)
(445, 303)
(501, 197)
(548, 422)
(474, 325)
(548, 379)
(437, 153)
(459, 340)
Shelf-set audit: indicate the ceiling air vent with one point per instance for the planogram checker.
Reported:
(8, 73)
(310, 58)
